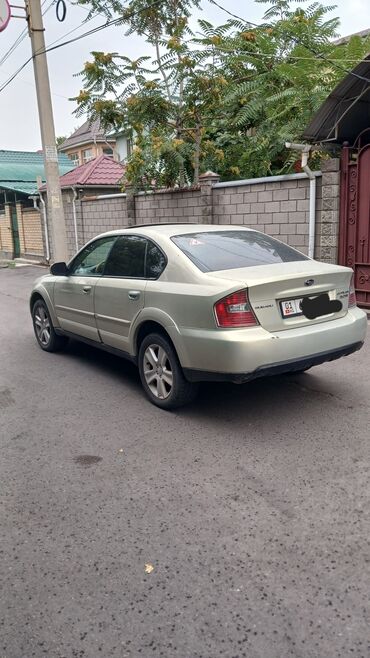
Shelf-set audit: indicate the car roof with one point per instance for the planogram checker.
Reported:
(175, 228)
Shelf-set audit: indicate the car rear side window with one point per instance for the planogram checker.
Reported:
(155, 261)
(225, 250)
(127, 257)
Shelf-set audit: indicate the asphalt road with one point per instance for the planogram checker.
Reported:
(252, 506)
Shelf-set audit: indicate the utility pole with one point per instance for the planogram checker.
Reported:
(40, 67)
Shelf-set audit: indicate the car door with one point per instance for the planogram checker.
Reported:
(120, 293)
(74, 294)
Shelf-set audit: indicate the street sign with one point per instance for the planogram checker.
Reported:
(4, 14)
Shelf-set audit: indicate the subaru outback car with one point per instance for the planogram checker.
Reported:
(195, 302)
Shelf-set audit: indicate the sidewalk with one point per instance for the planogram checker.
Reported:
(21, 262)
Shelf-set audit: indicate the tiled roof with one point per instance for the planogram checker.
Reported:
(18, 186)
(100, 172)
(19, 170)
(90, 131)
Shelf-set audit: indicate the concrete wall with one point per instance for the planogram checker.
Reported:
(278, 206)
(169, 206)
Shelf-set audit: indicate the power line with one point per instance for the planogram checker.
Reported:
(298, 42)
(239, 18)
(115, 21)
(28, 82)
(54, 47)
(119, 20)
(21, 37)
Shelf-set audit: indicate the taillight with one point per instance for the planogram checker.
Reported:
(235, 311)
(352, 293)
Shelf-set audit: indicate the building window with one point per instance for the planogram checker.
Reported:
(108, 151)
(87, 155)
(75, 159)
(129, 147)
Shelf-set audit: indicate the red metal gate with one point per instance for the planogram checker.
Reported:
(354, 231)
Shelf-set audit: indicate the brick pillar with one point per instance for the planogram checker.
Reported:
(327, 223)
(130, 200)
(207, 181)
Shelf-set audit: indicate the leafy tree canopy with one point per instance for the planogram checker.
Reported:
(226, 98)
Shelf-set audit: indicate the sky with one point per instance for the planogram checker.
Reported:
(19, 125)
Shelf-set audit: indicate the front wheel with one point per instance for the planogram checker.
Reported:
(44, 330)
(161, 374)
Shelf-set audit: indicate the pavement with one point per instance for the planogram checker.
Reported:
(236, 527)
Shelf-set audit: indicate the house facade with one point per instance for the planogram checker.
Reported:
(102, 176)
(21, 230)
(88, 142)
(123, 145)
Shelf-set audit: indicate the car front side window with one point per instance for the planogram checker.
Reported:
(91, 260)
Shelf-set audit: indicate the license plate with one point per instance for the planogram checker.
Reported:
(291, 307)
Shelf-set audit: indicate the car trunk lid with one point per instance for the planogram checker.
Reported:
(272, 287)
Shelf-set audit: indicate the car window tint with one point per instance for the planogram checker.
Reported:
(127, 257)
(155, 261)
(225, 250)
(91, 260)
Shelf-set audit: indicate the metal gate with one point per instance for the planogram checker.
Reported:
(15, 231)
(354, 230)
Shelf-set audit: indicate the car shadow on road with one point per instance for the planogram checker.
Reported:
(258, 398)
(105, 362)
(256, 393)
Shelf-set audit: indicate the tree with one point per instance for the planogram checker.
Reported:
(279, 74)
(151, 96)
(59, 140)
(227, 99)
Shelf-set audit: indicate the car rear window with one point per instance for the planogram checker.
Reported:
(226, 250)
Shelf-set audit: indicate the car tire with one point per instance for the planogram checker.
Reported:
(45, 334)
(161, 374)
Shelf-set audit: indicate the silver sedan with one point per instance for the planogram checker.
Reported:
(195, 302)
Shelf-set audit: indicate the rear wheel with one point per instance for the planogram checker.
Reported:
(161, 374)
(44, 330)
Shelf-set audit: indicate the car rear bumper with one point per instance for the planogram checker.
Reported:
(273, 369)
(242, 354)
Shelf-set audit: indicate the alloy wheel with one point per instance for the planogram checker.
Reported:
(157, 371)
(42, 325)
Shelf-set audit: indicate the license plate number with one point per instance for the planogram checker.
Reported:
(291, 307)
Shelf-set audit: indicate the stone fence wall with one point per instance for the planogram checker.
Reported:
(278, 206)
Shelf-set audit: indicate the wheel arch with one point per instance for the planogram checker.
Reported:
(150, 325)
(35, 296)
(43, 295)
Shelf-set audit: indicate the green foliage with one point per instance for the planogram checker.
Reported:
(227, 98)
(60, 140)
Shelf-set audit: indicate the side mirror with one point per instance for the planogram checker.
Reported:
(59, 269)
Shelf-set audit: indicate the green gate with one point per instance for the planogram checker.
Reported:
(15, 231)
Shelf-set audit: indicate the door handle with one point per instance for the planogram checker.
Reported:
(86, 289)
(133, 294)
